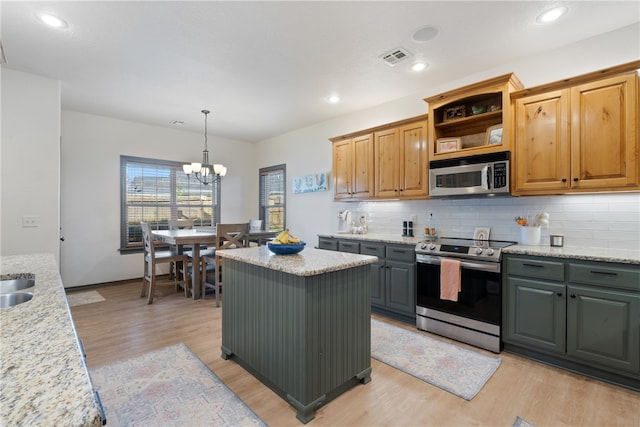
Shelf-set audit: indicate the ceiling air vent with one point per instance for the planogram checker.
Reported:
(395, 56)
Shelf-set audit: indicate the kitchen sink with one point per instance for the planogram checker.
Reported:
(13, 285)
(16, 290)
(10, 300)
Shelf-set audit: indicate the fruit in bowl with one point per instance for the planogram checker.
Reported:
(285, 244)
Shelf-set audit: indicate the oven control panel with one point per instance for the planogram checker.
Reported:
(480, 251)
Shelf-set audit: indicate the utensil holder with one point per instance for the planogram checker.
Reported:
(530, 236)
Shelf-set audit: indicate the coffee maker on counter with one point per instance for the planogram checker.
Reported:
(344, 221)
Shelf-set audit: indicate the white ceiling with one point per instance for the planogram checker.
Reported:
(264, 68)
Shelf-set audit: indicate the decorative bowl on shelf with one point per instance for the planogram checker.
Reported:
(286, 249)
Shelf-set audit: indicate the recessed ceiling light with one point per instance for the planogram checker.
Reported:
(418, 66)
(52, 20)
(333, 99)
(551, 15)
(424, 34)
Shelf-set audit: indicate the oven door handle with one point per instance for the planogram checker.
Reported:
(493, 267)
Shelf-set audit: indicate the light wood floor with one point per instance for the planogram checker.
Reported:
(124, 326)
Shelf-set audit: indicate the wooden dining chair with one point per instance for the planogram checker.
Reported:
(152, 258)
(178, 224)
(228, 236)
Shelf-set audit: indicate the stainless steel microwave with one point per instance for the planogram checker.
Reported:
(484, 174)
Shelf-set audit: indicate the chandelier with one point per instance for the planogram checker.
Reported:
(205, 172)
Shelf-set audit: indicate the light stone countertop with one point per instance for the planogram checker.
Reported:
(44, 379)
(377, 237)
(624, 256)
(309, 262)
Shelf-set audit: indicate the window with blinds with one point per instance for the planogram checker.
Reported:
(155, 191)
(272, 197)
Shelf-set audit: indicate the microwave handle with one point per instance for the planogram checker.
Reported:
(486, 177)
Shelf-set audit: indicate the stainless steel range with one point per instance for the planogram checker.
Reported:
(475, 317)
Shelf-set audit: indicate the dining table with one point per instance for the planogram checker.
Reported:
(198, 237)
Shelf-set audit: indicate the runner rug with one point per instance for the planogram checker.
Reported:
(454, 369)
(168, 387)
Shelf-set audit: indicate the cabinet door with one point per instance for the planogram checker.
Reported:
(542, 143)
(342, 169)
(387, 149)
(353, 168)
(413, 166)
(362, 181)
(378, 280)
(401, 287)
(536, 314)
(604, 140)
(603, 327)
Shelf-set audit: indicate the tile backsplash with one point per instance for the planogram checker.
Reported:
(593, 220)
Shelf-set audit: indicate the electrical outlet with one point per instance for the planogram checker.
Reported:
(29, 221)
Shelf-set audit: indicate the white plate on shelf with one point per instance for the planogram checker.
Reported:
(481, 233)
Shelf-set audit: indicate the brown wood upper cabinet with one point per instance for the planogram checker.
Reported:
(460, 120)
(401, 162)
(385, 162)
(353, 167)
(580, 134)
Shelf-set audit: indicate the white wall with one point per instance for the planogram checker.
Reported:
(312, 213)
(90, 182)
(30, 158)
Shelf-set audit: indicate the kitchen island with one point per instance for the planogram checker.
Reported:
(299, 323)
(44, 377)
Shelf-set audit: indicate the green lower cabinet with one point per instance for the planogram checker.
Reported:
(393, 277)
(536, 314)
(378, 281)
(581, 315)
(393, 286)
(401, 279)
(603, 327)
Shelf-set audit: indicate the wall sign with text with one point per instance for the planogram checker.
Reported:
(310, 183)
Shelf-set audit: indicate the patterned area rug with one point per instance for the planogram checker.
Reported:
(168, 387)
(454, 369)
(80, 298)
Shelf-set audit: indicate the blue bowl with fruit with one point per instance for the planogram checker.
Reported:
(285, 248)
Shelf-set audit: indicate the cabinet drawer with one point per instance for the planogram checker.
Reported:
(605, 275)
(326, 243)
(532, 267)
(375, 249)
(349, 246)
(401, 253)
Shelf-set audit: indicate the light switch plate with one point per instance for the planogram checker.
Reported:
(556, 240)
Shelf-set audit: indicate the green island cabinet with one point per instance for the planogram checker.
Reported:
(580, 315)
(393, 277)
(301, 324)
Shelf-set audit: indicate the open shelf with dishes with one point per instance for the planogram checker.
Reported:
(473, 119)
